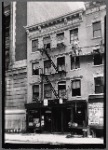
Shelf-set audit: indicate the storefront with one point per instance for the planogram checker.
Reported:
(96, 115)
(56, 116)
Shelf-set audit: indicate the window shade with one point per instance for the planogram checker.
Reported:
(76, 84)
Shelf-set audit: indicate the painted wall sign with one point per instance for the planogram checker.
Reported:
(95, 111)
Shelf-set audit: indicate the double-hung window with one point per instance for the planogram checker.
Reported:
(35, 69)
(62, 89)
(76, 88)
(97, 58)
(99, 85)
(73, 35)
(47, 67)
(34, 45)
(61, 63)
(35, 92)
(97, 29)
(75, 62)
(47, 42)
(47, 91)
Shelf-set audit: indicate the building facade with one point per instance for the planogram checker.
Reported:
(15, 47)
(65, 72)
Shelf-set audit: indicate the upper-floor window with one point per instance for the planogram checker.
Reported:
(75, 62)
(47, 42)
(76, 88)
(99, 84)
(73, 35)
(47, 91)
(60, 37)
(47, 67)
(61, 63)
(35, 92)
(62, 89)
(97, 29)
(34, 45)
(97, 58)
(35, 69)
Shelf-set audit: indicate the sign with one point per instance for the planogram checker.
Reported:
(45, 102)
(95, 111)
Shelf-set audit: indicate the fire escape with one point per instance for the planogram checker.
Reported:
(46, 77)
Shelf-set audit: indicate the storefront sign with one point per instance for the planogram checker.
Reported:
(95, 111)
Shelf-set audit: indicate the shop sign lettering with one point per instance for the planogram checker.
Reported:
(95, 113)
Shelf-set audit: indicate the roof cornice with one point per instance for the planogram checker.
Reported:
(39, 25)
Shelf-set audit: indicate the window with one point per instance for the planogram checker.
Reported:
(97, 58)
(35, 69)
(62, 89)
(47, 67)
(47, 42)
(97, 29)
(34, 45)
(60, 37)
(61, 63)
(76, 88)
(73, 35)
(99, 85)
(75, 62)
(47, 91)
(35, 92)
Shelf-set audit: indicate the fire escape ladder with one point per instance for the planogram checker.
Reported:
(51, 60)
(52, 88)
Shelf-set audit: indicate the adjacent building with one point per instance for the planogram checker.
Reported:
(65, 71)
(15, 47)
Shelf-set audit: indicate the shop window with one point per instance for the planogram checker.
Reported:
(35, 69)
(47, 42)
(60, 37)
(47, 91)
(99, 85)
(35, 92)
(97, 59)
(34, 45)
(75, 62)
(97, 29)
(76, 88)
(47, 67)
(73, 35)
(62, 89)
(61, 63)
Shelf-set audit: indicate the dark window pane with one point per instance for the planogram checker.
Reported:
(97, 59)
(76, 92)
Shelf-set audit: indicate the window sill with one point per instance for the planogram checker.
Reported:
(76, 69)
(98, 65)
(98, 37)
(35, 52)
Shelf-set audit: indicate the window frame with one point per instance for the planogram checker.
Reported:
(97, 29)
(37, 98)
(75, 62)
(47, 67)
(37, 68)
(47, 91)
(73, 38)
(36, 46)
(61, 82)
(97, 86)
(61, 65)
(77, 88)
(47, 43)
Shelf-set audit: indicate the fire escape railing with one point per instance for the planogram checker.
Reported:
(55, 67)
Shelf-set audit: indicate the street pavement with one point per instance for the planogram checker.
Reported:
(35, 138)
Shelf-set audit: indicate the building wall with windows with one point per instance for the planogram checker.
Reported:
(15, 64)
(69, 51)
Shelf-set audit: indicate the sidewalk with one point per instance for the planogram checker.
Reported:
(49, 138)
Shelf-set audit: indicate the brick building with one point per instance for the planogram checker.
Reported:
(15, 47)
(65, 70)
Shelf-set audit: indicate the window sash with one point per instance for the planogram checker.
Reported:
(35, 89)
(60, 36)
(34, 45)
(76, 84)
(97, 26)
(46, 40)
(47, 64)
(75, 62)
(97, 59)
(74, 34)
(61, 61)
